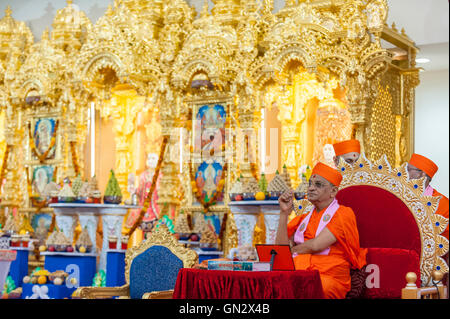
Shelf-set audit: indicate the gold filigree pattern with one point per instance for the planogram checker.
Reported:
(383, 126)
(161, 236)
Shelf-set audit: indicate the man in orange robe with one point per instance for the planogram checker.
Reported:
(326, 239)
(348, 150)
(418, 167)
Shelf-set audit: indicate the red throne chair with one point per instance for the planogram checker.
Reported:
(398, 226)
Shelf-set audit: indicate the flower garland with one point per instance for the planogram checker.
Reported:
(221, 185)
(223, 227)
(148, 198)
(198, 193)
(76, 168)
(253, 166)
(38, 204)
(42, 157)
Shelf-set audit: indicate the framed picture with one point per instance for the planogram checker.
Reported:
(41, 176)
(209, 130)
(207, 178)
(209, 141)
(41, 223)
(43, 130)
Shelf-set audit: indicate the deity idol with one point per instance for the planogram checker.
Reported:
(40, 181)
(145, 182)
(43, 135)
(210, 185)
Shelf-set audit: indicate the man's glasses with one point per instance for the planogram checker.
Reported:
(317, 184)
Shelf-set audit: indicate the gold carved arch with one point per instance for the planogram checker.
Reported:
(309, 98)
(33, 84)
(195, 66)
(376, 63)
(101, 61)
(291, 52)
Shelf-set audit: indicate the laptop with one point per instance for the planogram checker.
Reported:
(282, 256)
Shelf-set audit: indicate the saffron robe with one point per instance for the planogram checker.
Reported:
(344, 254)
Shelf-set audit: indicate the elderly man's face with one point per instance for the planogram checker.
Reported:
(320, 189)
(350, 158)
(414, 172)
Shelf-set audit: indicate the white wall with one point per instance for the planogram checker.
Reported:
(432, 124)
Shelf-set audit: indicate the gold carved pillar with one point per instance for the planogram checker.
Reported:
(410, 80)
(168, 192)
(298, 111)
(171, 122)
(246, 152)
(123, 108)
(73, 155)
(248, 111)
(357, 97)
(11, 191)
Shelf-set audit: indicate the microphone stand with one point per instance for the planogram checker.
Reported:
(272, 259)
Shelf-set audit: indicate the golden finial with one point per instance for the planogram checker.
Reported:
(204, 12)
(411, 279)
(69, 2)
(437, 275)
(404, 32)
(268, 5)
(290, 3)
(8, 11)
(394, 27)
(45, 34)
(109, 10)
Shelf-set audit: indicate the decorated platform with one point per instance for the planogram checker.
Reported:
(83, 266)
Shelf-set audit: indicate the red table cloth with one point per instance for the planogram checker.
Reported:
(223, 284)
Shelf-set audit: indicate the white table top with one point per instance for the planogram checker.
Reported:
(7, 255)
(78, 205)
(116, 251)
(73, 254)
(189, 242)
(253, 202)
(200, 251)
(21, 248)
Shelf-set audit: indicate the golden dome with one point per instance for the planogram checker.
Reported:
(7, 23)
(13, 33)
(70, 26)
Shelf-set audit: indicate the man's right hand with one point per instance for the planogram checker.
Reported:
(286, 202)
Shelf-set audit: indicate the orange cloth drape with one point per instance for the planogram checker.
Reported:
(346, 253)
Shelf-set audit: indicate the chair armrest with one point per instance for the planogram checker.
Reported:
(165, 294)
(101, 292)
(411, 291)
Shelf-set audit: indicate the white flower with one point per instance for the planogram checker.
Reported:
(302, 170)
(393, 184)
(419, 210)
(361, 177)
(428, 245)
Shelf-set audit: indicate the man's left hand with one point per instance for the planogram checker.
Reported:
(297, 249)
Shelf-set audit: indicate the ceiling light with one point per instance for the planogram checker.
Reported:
(422, 60)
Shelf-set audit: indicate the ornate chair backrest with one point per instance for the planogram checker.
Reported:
(392, 212)
(154, 264)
